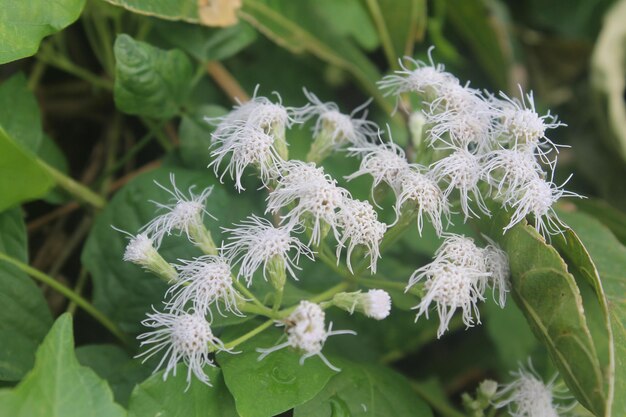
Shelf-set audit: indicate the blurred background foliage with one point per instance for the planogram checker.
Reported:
(122, 91)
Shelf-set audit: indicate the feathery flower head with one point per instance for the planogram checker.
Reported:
(139, 250)
(497, 265)
(385, 162)
(537, 197)
(449, 286)
(417, 76)
(306, 332)
(461, 251)
(529, 396)
(339, 128)
(246, 146)
(507, 170)
(255, 242)
(420, 189)
(461, 170)
(315, 194)
(359, 224)
(520, 122)
(183, 214)
(181, 335)
(204, 281)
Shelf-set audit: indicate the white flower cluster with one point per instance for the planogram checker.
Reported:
(528, 396)
(458, 278)
(485, 147)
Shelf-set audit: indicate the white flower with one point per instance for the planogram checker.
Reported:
(259, 113)
(203, 282)
(461, 251)
(185, 336)
(529, 396)
(454, 98)
(519, 121)
(306, 332)
(507, 170)
(462, 170)
(139, 250)
(376, 304)
(450, 287)
(385, 162)
(497, 265)
(421, 190)
(246, 146)
(536, 197)
(312, 196)
(359, 224)
(340, 128)
(255, 242)
(182, 214)
(416, 76)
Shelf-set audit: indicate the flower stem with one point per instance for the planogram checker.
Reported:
(76, 189)
(251, 297)
(438, 405)
(249, 335)
(69, 293)
(392, 285)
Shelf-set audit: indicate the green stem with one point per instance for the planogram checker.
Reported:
(383, 33)
(157, 131)
(255, 309)
(250, 334)
(67, 292)
(74, 188)
(251, 297)
(71, 68)
(437, 404)
(391, 285)
(78, 289)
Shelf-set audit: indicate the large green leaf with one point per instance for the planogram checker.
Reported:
(172, 397)
(150, 81)
(22, 176)
(23, 122)
(24, 316)
(365, 390)
(23, 24)
(113, 364)
(123, 291)
(609, 257)
(300, 27)
(58, 386)
(550, 299)
(275, 384)
(195, 136)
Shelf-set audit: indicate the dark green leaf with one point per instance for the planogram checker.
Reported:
(23, 24)
(114, 365)
(206, 44)
(172, 397)
(24, 316)
(275, 384)
(23, 122)
(123, 291)
(195, 136)
(349, 19)
(609, 257)
(52, 155)
(550, 299)
(365, 390)
(150, 81)
(59, 386)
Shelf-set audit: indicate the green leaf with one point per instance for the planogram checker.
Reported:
(611, 217)
(609, 257)
(349, 19)
(195, 136)
(365, 390)
(150, 81)
(23, 122)
(172, 397)
(123, 291)
(114, 365)
(607, 77)
(300, 27)
(550, 299)
(24, 316)
(402, 20)
(22, 177)
(23, 24)
(50, 153)
(186, 10)
(272, 385)
(58, 386)
(206, 44)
